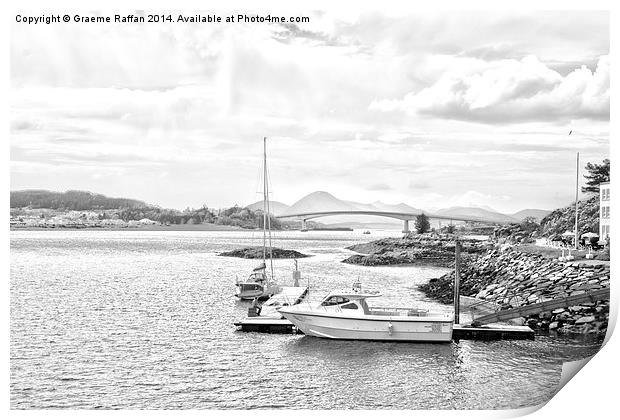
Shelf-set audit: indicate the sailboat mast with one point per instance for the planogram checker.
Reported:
(264, 197)
(268, 211)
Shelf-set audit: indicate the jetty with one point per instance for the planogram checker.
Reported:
(459, 332)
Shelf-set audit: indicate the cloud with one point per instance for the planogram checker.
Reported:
(418, 185)
(511, 91)
(492, 52)
(379, 187)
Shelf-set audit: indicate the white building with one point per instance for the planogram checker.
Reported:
(604, 219)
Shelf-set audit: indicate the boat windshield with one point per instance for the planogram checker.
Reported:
(334, 300)
(257, 277)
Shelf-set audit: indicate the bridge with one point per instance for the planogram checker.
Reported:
(405, 217)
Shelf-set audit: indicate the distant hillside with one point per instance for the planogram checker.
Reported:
(70, 200)
(537, 214)
(276, 208)
(476, 212)
(561, 220)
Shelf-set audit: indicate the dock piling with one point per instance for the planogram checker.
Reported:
(457, 281)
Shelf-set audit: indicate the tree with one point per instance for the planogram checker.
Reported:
(529, 224)
(422, 225)
(596, 174)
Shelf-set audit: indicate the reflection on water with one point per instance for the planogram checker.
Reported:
(144, 320)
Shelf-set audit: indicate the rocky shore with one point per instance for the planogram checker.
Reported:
(257, 252)
(512, 278)
(424, 249)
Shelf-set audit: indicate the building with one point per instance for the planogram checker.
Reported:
(604, 219)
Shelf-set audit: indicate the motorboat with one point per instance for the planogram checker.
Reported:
(288, 296)
(345, 315)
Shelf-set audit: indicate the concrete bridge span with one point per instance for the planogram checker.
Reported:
(405, 217)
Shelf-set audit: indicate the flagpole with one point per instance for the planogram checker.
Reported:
(577, 205)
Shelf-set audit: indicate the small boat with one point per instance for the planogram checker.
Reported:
(266, 318)
(288, 296)
(258, 285)
(366, 232)
(345, 315)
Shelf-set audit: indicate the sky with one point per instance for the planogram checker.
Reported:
(433, 109)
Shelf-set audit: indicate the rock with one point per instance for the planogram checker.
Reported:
(257, 252)
(554, 325)
(544, 315)
(585, 319)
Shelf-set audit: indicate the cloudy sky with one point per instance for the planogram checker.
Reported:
(430, 109)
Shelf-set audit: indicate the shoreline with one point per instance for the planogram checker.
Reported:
(149, 228)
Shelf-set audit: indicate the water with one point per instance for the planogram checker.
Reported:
(136, 319)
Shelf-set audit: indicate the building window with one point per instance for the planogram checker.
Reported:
(605, 212)
(605, 194)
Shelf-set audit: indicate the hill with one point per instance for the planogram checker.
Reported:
(537, 214)
(70, 200)
(476, 212)
(563, 219)
(276, 208)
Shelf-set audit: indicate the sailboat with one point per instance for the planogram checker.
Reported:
(259, 285)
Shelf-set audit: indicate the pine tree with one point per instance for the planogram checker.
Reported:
(422, 225)
(596, 174)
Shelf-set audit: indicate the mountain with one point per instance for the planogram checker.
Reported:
(276, 208)
(319, 201)
(399, 208)
(537, 214)
(476, 212)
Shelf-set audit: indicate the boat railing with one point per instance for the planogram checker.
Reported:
(398, 311)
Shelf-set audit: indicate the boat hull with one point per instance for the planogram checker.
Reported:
(372, 328)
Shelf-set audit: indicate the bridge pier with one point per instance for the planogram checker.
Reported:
(304, 227)
(406, 226)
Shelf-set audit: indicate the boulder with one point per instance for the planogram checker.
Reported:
(584, 320)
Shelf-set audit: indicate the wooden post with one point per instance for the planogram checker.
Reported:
(457, 281)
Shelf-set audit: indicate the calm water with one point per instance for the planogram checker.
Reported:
(138, 319)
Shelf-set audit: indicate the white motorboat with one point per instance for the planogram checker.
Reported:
(345, 315)
(288, 296)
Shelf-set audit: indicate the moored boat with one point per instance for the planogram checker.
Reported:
(259, 285)
(345, 315)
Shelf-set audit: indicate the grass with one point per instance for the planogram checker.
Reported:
(551, 253)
